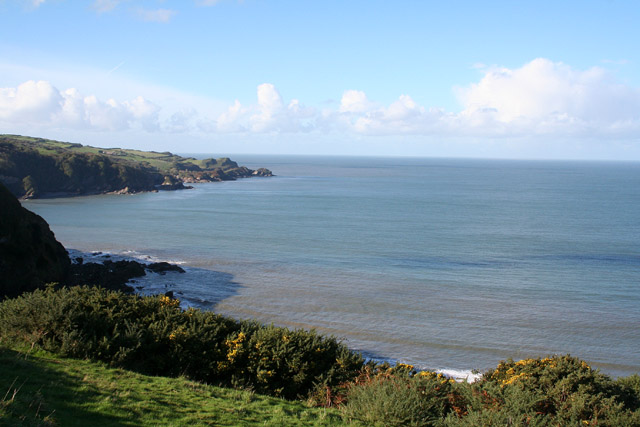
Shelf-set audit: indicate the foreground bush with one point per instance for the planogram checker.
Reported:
(398, 397)
(559, 390)
(153, 335)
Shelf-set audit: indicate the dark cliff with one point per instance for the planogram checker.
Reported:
(30, 255)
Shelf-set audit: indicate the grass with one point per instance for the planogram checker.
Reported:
(42, 389)
(162, 161)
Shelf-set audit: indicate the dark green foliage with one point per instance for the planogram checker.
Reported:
(630, 390)
(153, 335)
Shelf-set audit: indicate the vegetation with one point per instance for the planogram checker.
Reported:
(153, 335)
(38, 388)
(35, 167)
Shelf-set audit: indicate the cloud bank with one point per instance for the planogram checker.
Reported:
(40, 104)
(541, 98)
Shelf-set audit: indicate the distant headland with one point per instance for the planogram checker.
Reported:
(39, 168)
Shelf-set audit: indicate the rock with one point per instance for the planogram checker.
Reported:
(262, 172)
(30, 255)
(163, 267)
(111, 275)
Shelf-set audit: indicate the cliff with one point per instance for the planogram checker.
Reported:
(36, 167)
(30, 256)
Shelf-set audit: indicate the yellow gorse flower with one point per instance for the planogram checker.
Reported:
(234, 346)
(169, 302)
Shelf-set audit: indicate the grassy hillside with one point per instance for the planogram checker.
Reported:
(41, 389)
(35, 167)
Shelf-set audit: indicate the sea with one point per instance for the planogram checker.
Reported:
(446, 264)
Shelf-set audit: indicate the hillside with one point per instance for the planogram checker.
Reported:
(35, 167)
(43, 389)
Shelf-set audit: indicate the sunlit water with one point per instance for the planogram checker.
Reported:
(446, 264)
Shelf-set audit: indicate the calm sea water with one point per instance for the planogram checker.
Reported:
(446, 264)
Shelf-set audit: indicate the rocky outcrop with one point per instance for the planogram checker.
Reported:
(163, 267)
(262, 172)
(30, 255)
(112, 275)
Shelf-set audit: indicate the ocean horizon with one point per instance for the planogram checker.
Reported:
(446, 264)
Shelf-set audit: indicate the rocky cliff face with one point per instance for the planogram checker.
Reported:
(30, 255)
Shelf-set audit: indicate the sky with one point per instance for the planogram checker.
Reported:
(491, 79)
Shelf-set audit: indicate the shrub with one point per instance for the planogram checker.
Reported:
(154, 335)
(394, 398)
(630, 390)
(559, 390)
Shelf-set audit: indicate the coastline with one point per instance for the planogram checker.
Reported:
(167, 283)
(418, 280)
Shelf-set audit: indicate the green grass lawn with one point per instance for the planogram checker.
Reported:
(41, 389)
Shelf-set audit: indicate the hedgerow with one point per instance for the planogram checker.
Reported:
(155, 336)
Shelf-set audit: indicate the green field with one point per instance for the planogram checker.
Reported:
(162, 161)
(42, 389)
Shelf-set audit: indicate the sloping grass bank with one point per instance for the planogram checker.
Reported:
(42, 389)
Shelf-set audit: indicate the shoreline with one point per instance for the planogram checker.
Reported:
(155, 284)
(328, 251)
(141, 286)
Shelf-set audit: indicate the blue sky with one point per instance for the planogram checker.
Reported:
(504, 79)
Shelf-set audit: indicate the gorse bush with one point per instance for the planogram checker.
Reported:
(153, 335)
(559, 390)
(398, 396)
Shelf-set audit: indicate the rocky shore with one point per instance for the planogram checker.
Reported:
(31, 257)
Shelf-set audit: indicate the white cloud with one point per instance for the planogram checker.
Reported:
(546, 97)
(229, 121)
(354, 101)
(41, 104)
(541, 99)
(180, 121)
(30, 101)
(270, 107)
(102, 6)
(403, 116)
(269, 114)
(143, 112)
(158, 15)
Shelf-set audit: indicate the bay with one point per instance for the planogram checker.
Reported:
(447, 264)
